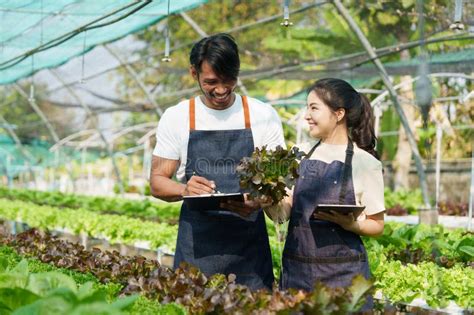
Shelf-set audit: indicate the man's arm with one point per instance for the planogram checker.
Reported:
(161, 184)
(163, 187)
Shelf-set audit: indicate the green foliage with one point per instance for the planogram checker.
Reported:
(44, 247)
(268, 173)
(144, 306)
(412, 200)
(387, 145)
(116, 229)
(416, 243)
(23, 292)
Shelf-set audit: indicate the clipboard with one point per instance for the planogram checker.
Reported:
(210, 202)
(343, 209)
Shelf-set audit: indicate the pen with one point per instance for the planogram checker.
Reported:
(216, 191)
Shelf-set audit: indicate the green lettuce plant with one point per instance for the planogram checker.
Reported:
(267, 173)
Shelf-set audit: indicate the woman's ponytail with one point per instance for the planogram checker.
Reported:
(362, 131)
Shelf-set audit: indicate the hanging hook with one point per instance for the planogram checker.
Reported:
(286, 14)
(167, 58)
(31, 98)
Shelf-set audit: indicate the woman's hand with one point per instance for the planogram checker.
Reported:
(372, 225)
(346, 221)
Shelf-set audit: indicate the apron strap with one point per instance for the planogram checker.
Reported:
(245, 104)
(346, 171)
(192, 113)
(312, 150)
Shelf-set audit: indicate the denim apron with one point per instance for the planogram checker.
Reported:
(318, 250)
(222, 241)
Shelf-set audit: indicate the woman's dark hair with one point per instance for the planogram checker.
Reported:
(221, 52)
(336, 94)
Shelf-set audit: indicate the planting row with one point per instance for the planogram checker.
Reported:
(394, 281)
(145, 209)
(418, 243)
(410, 244)
(401, 202)
(404, 202)
(405, 243)
(116, 229)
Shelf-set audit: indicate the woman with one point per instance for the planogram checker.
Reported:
(341, 168)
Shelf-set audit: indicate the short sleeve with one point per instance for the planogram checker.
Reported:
(167, 137)
(273, 134)
(373, 194)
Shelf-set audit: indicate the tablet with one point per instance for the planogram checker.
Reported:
(210, 202)
(344, 209)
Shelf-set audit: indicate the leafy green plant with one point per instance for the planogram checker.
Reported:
(436, 285)
(22, 292)
(10, 258)
(267, 173)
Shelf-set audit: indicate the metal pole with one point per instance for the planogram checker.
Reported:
(377, 114)
(471, 197)
(386, 80)
(439, 137)
(7, 169)
(38, 111)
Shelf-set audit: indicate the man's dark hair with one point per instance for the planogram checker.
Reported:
(221, 52)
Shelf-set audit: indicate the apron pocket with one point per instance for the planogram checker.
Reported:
(328, 242)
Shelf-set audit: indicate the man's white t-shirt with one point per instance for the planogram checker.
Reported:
(172, 134)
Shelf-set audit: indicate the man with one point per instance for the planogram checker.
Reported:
(203, 139)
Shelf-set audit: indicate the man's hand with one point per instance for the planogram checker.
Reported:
(247, 207)
(198, 185)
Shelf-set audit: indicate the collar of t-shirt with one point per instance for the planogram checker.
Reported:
(330, 152)
(214, 119)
